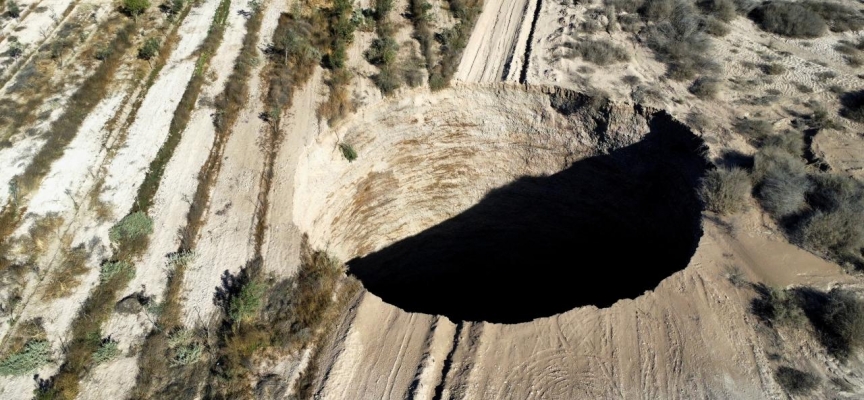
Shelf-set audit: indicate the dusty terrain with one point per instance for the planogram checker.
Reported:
(530, 228)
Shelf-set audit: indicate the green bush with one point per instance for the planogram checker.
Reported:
(106, 351)
(13, 10)
(133, 227)
(149, 49)
(599, 51)
(796, 382)
(135, 7)
(246, 303)
(348, 151)
(725, 191)
(383, 51)
(35, 354)
(789, 19)
(111, 269)
(185, 349)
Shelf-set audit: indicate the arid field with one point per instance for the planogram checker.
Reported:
(431, 199)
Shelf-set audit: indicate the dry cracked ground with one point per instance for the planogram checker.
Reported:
(431, 199)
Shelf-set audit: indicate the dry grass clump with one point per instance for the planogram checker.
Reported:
(789, 19)
(796, 382)
(755, 130)
(705, 88)
(598, 51)
(773, 69)
(782, 182)
(68, 277)
(725, 191)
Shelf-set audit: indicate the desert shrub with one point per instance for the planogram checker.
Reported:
(628, 6)
(13, 10)
(647, 95)
(853, 105)
(35, 354)
(135, 7)
(106, 351)
(172, 7)
(600, 51)
(773, 69)
(657, 10)
(838, 319)
(185, 348)
(789, 19)
(347, 151)
(725, 191)
(382, 8)
(723, 10)
(705, 88)
(680, 42)
(783, 181)
(631, 80)
(149, 49)
(796, 382)
(839, 232)
(383, 51)
(755, 130)
(734, 275)
(387, 80)
(245, 304)
(715, 27)
(790, 141)
(111, 269)
(839, 17)
(777, 306)
(131, 228)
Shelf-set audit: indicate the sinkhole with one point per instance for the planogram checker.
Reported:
(568, 203)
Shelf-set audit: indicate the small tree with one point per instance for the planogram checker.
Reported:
(149, 49)
(135, 7)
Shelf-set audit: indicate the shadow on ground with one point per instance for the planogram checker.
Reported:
(606, 228)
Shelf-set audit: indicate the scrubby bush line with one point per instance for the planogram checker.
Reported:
(87, 347)
(598, 51)
(808, 19)
(820, 211)
(836, 316)
(282, 316)
(341, 28)
(65, 128)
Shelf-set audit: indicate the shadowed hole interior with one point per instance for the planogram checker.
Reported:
(606, 228)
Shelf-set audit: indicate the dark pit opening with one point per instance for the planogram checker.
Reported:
(607, 228)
